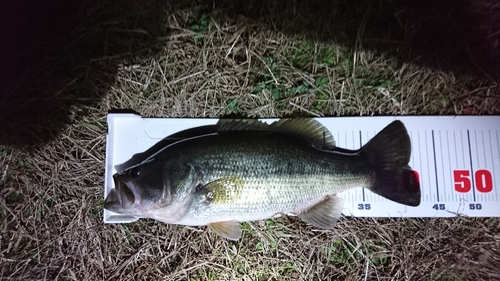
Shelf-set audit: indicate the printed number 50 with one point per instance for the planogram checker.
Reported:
(483, 180)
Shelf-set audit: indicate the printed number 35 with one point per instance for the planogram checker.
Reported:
(364, 206)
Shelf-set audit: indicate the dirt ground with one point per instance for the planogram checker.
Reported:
(66, 64)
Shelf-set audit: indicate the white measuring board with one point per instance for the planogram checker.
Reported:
(457, 159)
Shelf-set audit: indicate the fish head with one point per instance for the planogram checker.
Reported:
(151, 190)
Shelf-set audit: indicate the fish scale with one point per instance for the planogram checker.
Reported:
(266, 165)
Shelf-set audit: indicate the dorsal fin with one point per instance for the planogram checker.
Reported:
(226, 125)
(305, 129)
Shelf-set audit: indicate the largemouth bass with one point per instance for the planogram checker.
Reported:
(247, 170)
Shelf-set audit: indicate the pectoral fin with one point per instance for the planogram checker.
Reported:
(223, 190)
(325, 214)
(227, 229)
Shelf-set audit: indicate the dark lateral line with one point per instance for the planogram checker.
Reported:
(435, 166)
(471, 168)
(361, 145)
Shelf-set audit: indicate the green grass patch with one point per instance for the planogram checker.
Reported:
(328, 57)
(15, 197)
(232, 106)
(129, 236)
(4, 150)
(341, 252)
(199, 27)
(302, 55)
(305, 53)
(288, 268)
(97, 211)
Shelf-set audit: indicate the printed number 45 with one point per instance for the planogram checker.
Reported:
(439, 207)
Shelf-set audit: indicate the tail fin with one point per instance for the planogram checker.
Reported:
(389, 153)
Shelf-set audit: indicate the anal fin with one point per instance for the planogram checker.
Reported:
(325, 214)
(227, 229)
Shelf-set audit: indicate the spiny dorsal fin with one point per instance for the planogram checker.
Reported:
(304, 129)
(227, 125)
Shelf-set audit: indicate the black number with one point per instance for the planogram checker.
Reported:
(475, 206)
(439, 207)
(364, 206)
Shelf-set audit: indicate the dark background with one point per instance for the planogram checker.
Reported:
(58, 55)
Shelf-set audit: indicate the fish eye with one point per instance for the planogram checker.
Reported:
(134, 172)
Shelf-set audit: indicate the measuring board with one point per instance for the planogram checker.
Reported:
(457, 160)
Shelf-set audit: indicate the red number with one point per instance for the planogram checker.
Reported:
(484, 181)
(462, 181)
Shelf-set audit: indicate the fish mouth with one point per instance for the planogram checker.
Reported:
(124, 196)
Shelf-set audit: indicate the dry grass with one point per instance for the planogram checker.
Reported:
(255, 59)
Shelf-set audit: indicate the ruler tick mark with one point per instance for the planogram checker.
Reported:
(456, 159)
(435, 165)
(450, 168)
(361, 145)
(442, 164)
(471, 168)
(484, 150)
(485, 165)
(455, 145)
(497, 157)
